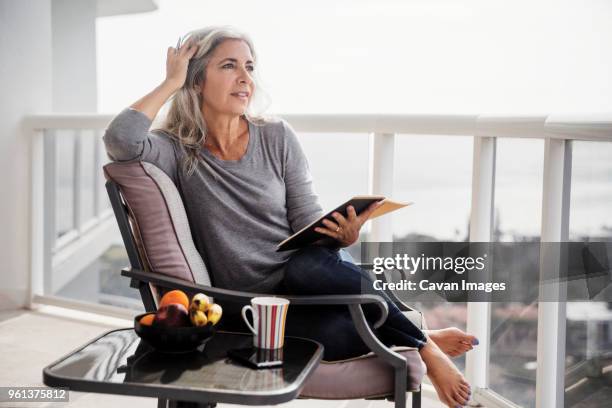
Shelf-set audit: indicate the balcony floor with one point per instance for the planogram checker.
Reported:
(30, 340)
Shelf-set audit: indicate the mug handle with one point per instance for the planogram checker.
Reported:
(244, 310)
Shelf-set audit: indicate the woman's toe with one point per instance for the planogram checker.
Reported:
(456, 400)
(461, 400)
(464, 394)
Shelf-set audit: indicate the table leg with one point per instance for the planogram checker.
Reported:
(164, 403)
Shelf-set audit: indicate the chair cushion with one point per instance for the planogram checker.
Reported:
(161, 223)
(365, 376)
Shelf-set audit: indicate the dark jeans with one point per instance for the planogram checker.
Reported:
(316, 270)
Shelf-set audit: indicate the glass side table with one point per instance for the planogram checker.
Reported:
(118, 362)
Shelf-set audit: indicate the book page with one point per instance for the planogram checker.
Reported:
(388, 206)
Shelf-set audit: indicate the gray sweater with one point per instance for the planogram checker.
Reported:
(238, 218)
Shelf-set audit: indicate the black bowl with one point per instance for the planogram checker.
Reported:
(173, 339)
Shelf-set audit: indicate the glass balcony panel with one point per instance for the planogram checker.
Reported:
(518, 189)
(517, 218)
(435, 173)
(588, 350)
(100, 281)
(591, 191)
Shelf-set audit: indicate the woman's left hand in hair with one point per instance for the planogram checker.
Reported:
(345, 230)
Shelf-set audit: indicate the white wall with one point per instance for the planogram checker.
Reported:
(74, 55)
(25, 84)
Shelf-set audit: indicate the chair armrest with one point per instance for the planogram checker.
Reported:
(227, 294)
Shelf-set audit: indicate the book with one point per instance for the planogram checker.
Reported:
(308, 235)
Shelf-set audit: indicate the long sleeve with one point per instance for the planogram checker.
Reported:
(302, 202)
(127, 138)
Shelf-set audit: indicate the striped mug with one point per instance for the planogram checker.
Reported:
(269, 314)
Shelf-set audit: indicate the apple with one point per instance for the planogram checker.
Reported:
(172, 315)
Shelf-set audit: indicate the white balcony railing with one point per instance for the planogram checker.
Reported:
(558, 132)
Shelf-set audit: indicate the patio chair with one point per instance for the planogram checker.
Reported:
(155, 230)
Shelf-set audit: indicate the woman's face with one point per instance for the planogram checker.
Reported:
(228, 87)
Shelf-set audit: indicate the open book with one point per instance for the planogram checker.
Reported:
(308, 235)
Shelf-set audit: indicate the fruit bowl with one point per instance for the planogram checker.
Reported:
(173, 339)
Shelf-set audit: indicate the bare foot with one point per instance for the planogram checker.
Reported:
(452, 388)
(452, 341)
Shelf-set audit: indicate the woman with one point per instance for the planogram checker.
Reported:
(246, 186)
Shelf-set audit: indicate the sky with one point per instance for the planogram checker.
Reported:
(435, 56)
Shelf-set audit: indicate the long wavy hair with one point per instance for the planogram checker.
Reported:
(184, 120)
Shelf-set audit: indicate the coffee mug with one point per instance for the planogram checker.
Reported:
(269, 314)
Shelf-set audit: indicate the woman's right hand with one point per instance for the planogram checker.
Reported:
(177, 63)
(176, 73)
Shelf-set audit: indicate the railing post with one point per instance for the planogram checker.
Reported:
(382, 151)
(76, 183)
(37, 215)
(550, 375)
(96, 170)
(49, 203)
(481, 223)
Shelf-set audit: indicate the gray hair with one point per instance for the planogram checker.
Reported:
(184, 120)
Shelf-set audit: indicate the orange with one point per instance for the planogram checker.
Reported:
(147, 320)
(174, 296)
